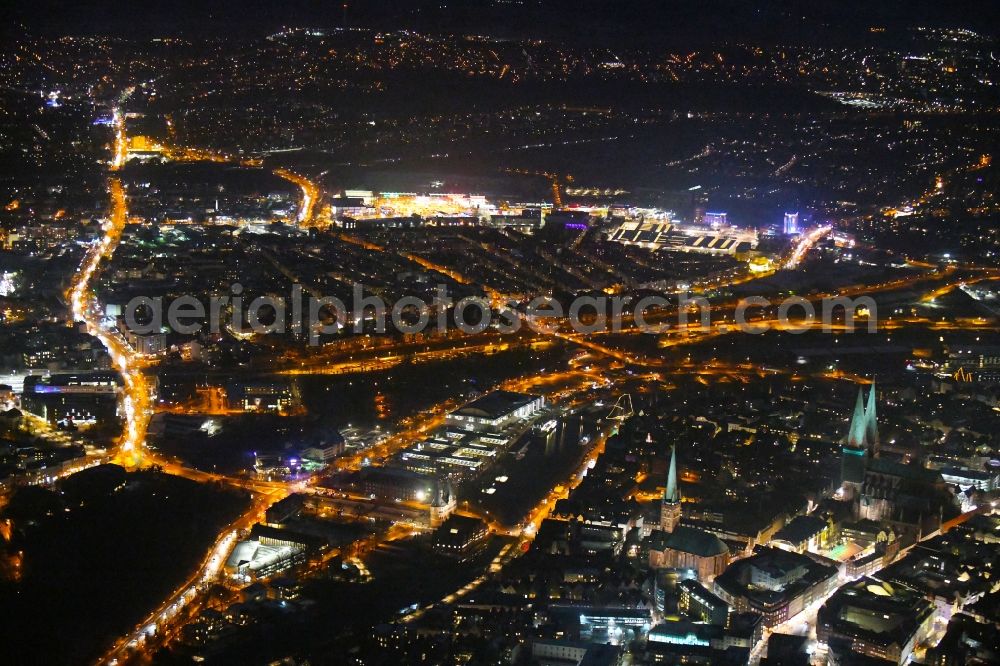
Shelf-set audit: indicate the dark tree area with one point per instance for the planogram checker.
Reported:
(99, 554)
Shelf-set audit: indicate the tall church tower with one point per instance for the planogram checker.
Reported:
(670, 505)
(857, 433)
(871, 424)
(861, 444)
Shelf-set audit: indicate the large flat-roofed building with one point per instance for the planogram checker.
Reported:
(353, 207)
(147, 345)
(458, 457)
(568, 218)
(495, 411)
(981, 479)
(686, 642)
(574, 653)
(143, 148)
(973, 363)
(702, 605)
(261, 396)
(804, 533)
(395, 222)
(776, 583)
(876, 619)
(601, 624)
(456, 453)
(285, 509)
(715, 219)
(84, 397)
(460, 536)
(527, 220)
(668, 236)
(326, 448)
(268, 551)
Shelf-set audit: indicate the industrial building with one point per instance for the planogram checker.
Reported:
(669, 236)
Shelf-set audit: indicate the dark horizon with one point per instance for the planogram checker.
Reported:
(644, 21)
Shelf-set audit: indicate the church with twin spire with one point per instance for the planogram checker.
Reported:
(908, 496)
(861, 445)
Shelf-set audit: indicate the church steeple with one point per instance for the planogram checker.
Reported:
(856, 435)
(871, 423)
(670, 505)
(670, 492)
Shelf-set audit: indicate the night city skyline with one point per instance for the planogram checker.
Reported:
(529, 332)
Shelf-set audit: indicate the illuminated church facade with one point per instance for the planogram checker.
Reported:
(907, 496)
(677, 546)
